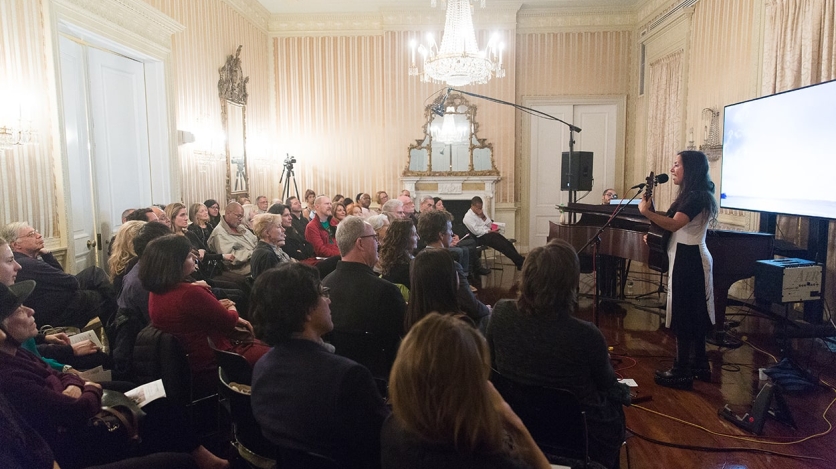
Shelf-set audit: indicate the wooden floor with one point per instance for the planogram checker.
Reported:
(641, 344)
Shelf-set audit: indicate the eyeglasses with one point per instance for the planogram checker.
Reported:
(375, 236)
(30, 234)
(325, 292)
(238, 215)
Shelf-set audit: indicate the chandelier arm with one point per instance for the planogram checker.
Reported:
(529, 110)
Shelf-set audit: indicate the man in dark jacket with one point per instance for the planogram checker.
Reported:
(59, 299)
(363, 304)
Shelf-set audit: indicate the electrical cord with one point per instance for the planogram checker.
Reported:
(720, 449)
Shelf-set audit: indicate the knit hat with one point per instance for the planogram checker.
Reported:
(13, 296)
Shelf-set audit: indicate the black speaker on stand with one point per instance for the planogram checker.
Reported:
(580, 176)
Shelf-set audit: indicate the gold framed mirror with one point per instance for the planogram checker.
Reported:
(450, 146)
(232, 90)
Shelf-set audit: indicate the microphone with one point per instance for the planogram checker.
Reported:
(438, 106)
(660, 179)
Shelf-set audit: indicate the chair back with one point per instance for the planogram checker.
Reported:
(246, 429)
(159, 355)
(553, 416)
(235, 366)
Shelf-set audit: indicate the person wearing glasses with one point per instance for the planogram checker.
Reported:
(608, 195)
(304, 396)
(361, 302)
(60, 299)
(232, 237)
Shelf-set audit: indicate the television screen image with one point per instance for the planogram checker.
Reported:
(779, 153)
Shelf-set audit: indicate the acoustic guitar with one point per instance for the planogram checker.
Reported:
(657, 237)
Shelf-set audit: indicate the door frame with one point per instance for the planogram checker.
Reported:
(620, 102)
(145, 37)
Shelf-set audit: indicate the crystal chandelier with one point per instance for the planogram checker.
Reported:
(448, 132)
(458, 61)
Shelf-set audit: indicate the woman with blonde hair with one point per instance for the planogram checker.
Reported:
(122, 252)
(445, 413)
(268, 252)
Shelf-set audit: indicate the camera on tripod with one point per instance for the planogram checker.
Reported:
(288, 162)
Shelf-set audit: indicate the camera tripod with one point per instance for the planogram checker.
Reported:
(285, 178)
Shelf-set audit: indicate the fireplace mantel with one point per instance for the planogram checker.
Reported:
(454, 188)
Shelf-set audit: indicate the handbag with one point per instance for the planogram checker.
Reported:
(116, 426)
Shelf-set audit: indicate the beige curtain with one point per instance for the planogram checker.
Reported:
(799, 50)
(665, 112)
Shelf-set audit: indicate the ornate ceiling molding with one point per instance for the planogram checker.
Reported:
(542, 21)
(253, 11)
(132, 17)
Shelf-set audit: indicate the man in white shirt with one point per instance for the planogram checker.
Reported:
(486, 232)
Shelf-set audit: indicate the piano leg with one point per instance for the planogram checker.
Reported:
(718, 336)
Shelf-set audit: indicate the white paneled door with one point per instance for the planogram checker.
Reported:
(549, 139)
(107, 139)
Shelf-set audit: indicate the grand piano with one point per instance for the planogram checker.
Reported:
(734, 252)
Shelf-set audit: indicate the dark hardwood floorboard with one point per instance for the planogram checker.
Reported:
(641, 344)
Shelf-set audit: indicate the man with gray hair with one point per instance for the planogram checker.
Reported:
(232, 237)
(393, 209)
(59, 298)
(367, 311)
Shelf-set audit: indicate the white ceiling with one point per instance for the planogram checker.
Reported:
(365, 6)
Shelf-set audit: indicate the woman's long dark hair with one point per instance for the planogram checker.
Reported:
(434, 282)
(696, 181)
(395, 248)
(161, 265)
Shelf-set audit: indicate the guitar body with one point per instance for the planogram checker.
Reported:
(657, 237)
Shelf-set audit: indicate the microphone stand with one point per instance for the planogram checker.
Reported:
(595, 241)
(573, 195)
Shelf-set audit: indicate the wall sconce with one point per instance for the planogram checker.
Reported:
(12, 136)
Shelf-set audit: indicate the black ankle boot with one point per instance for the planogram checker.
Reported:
(678, 377)
(702, 370)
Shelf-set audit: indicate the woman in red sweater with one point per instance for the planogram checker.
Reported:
(190, 311)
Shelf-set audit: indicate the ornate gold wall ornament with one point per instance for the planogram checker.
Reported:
(232, 85)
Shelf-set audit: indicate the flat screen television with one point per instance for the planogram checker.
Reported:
(779, 153)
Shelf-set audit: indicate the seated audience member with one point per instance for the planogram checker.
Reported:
(125, 214)
(262, 204)
(231, 237)
(271, 237)
(189, 311)
(199, 231)
(161, 216)
(297, 247)
(250, 211)
(309, 210)
(405, 192)
(354, 209)
(132, 315)
(365, 201)
(243, 200)
(427, 204)
(348, 201)
(486, 232)
(445, 412)
(214, 210)
(381, 198)
(338, 199)
(435, 228)
(123, 252)
(408, 208)
(397, 252)
(439, 204)
(319, 231)
(574, 357)
(393, 209)
(360, 300)
(435, 284)
(304, 396)
(380, 224)
(58, 406)
(60, 299)
(339, 214)
(142, 214)
(300, 221)
(54, 349)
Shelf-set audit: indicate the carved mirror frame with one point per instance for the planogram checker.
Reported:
(232, 90)
(477, 148)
